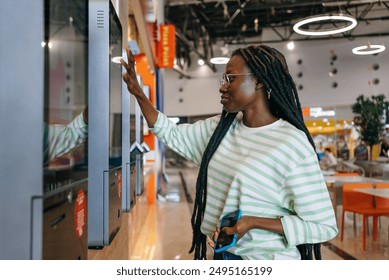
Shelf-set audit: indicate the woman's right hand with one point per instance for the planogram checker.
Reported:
(130, 76)
(148, 109)
(214, 238)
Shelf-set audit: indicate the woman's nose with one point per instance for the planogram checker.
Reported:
(222, 89)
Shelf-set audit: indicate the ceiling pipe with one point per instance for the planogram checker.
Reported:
(237, 12)
(181, 72)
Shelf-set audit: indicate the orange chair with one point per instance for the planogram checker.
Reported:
(363, 204)
(382, 205)
(358, 203)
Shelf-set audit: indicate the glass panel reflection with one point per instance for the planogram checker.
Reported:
(65, 111)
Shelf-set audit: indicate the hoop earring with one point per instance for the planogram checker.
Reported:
(268, 93)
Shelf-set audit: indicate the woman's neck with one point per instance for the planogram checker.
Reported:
(258, 120)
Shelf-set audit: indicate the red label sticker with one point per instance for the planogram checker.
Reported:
(80, 214)
(119, 183)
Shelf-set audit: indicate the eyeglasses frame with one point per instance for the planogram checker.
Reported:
(225, 79)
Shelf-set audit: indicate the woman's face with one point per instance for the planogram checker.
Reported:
(240, 92)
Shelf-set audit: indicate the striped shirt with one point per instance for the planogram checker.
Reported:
(269, 171)
(60, 139)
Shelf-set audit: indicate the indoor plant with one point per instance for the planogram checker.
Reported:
(370, 112)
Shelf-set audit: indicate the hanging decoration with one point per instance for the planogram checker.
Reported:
(350, 23)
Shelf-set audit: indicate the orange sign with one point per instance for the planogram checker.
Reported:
(119, 183)
(80, 214)
(167, 46)
(306, 111)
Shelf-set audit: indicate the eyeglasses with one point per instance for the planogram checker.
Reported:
(225, 80)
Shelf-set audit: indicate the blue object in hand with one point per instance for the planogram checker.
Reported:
(224, 241)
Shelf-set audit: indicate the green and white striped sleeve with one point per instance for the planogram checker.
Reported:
(306, 193)
(188, 140)
(60, 139)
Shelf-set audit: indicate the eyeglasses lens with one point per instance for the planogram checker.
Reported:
(224, 81)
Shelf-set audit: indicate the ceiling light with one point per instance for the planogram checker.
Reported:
(368, 49)
(350, 23)
(219, 60)
(256, 24)
(200, 62)
(290, 45)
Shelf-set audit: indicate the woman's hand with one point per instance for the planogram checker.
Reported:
(148, 109)
(214, 237)
(247, 223)
(240, 228)
(130, 77)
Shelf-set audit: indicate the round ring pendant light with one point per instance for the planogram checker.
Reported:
(219, 60)
(350, 23)
(368, 49)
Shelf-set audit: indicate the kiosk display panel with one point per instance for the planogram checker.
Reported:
(105, 124)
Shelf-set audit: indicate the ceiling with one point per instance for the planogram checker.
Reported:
(202, 24)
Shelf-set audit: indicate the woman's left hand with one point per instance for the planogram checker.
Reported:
(247, 223)
(240, 228)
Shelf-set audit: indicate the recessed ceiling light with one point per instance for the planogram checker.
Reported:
(350, 23)
(290, 45)
(368, 49)
(219, 60)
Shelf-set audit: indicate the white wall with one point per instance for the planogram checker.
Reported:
(199, 95)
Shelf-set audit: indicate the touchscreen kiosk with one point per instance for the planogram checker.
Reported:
(105, 124)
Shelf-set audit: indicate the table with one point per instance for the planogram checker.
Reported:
(335, 184)
(376, 192)
(350, 179)
(384, 193)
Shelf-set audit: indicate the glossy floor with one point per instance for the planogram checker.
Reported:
(162, 231)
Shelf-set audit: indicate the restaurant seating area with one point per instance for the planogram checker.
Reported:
(174, 208)
(363, 204)
(366, 199)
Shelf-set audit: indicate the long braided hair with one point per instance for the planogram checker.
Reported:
(270, 67)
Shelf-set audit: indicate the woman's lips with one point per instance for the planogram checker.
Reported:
(223, 99)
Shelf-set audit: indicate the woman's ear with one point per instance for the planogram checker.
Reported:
(258, 85)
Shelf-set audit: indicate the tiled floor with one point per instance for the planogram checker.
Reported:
(162, 231)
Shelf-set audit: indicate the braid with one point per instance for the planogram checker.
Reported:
(199, 245)
(270, 67)
(306, 251)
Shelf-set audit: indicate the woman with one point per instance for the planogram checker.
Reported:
(257, 156)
